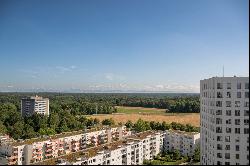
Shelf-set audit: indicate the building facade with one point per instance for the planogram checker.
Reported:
(224, 121)
(184, 142)
(34, 104)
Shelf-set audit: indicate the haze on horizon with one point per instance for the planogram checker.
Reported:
(123, 46)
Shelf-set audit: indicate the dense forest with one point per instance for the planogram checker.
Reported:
(67, 111)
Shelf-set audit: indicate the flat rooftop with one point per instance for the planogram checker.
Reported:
(183, 132)
(57, 136)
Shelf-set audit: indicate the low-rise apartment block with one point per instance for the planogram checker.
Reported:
(39, 149)
(184, 142)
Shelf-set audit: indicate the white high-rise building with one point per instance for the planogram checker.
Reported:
(34, 104)
(224, 121)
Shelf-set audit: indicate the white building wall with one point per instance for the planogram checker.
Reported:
(224, 120)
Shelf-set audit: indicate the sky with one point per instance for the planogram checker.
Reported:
(121, 45)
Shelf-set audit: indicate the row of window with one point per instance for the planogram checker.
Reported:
(229, 104)
(228, 121)
(236, 112)
(229, 130)
(227, 86)
(228, 95)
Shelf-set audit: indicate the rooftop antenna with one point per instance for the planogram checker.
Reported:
(223, 70)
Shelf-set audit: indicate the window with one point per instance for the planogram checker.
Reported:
(228, 112)
(246, 104)
(219, 163)
(228, 85)
(246, 121)
(218, 103)
(228, 103)
(219, 138)
(238, 85)
(237, 156)
(238, 94)
(237, 112)
(237, 103)
(227, 138)
(227, 163)
(246, 130)
(246, 112)
(218, 129)
(227, 147)
(219, 86)
(228, 121)
(237, 139)
(219, 155)
(219, 147)
(246, 94)
(246, 85)
(228, 130)
(237, 147)
(237, 130)
(218, 112)
(218, 121)
(227, 155)
(228, 94)
(237, 121)
(219, 95)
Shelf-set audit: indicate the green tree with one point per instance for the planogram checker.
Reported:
(139, 126)
(129, 124)
(196, 156)
(108, 122)
(3, 129)
(29, 132)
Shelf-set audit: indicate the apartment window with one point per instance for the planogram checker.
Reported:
(246, 130)
(219, 95)
(228, 94)
(219, 155)
(237, 147)
(237, 130)
(218, 112)
(246, 121)
(237, 112)
(218, 103)
(228, 103)
(238, 94)
(228, 85)
(237, 163)
(219, 163)
(238, 85)
(218, 129)
(228, 121)
(227, 163)
(237, 103)
(246, 104)
(237, 156)
(227, 138)
(227, 156)
(246, 112)
(237, 121)
(228, 112)
(218, 121)
(228, 130)
(219, 86)
(219, 138)
(227, 147)
(237, 139)
(246, 85)
(219, 147)
(246, 94)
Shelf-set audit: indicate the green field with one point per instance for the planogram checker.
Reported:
(140, 110)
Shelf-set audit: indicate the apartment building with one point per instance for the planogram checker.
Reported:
(39, 149)
(184, 142)
(130, 151)
(224, 121)
(34, 104)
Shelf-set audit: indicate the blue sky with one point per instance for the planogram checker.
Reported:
(151, 45)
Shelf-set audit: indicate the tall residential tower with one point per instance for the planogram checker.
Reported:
(34, 104)
(224, 121)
